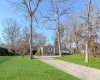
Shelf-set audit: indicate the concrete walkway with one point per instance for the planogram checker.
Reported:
(82, 72)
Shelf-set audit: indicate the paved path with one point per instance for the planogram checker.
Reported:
(82, 72)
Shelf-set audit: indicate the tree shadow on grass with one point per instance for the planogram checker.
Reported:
(4, 59)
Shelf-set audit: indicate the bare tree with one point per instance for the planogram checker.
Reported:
(25, 37)
(87, 30)
(57, 9)
(23, 42)
(63, 35)
(30, 6)
(11, 32)
(40, 39)
(87, 24)
(2, 44)
(76, 31)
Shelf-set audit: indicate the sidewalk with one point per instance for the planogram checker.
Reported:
(82, 72)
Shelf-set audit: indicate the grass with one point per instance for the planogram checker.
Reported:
(93, 62)
(18, 68)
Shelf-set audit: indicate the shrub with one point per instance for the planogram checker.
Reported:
(66, 53)
(10, 54)
(75, 51)
(3, 51)
(34, 52)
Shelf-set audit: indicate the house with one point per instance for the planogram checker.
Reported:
(49, 50)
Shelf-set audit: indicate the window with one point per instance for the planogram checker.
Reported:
(49, 49)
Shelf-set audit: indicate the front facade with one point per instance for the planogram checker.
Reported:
(49, 50)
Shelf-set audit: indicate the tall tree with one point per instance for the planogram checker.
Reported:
(63, 36)
(57, 9)
(30, 6)
(11, 32)
(87, 30)
(77, 31)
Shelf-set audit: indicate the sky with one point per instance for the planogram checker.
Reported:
(8, 11)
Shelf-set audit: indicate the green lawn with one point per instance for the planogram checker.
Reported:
(93, 62)
(18, 68)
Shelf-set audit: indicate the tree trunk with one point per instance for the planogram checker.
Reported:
(31, 55)
(86, 53)
(59, 44)
(87, 32)
(77, 52)
(70, 48)
(58, 37)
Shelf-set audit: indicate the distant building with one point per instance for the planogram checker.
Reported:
(52, 50)
(49, 50)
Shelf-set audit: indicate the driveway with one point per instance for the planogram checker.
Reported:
(82, 72)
